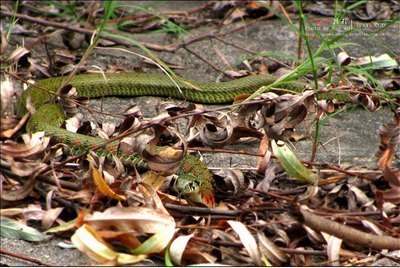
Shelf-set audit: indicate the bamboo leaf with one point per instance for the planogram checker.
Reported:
(292, 165)
(14, 229)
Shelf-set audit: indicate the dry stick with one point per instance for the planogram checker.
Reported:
(64, 184)
(348, 234)
(286, 250)
(225, 151)
(272, 195)
(150, 15)
(60, 200)
(169, 48)
(201, 210)
(348, 172)
(18, 256)
(215, 67)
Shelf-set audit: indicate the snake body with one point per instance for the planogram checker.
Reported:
(195, 180)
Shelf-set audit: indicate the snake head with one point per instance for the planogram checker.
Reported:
(194, 191)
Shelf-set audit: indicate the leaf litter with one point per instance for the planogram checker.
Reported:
(120, 215)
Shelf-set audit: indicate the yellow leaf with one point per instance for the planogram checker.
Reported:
(102, 186)
(154, 180)
(87, 240)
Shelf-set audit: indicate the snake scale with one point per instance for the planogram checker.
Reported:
(194, 179)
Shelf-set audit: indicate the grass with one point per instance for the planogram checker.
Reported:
(167, 26)
(13, 21)
(329, 42)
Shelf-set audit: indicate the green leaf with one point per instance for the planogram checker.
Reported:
(157, 242)
(63, 227)
(14, 229)
(292, 165)
(168, 261)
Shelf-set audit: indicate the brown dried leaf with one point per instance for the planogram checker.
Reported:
(168, 160)
(333, 248)
(237, 13)
(101, 184)
(270, 250)
(193, 255)
(50, 217)
(217, 133)
(88, 241)
(33, 212)
(357, 198)
(151, 198)
(343, 59)
(20, 193)
(392, 195)
(389, 138)
(128, 219)
(269, 176)
(247, 240)
(327, 106)
(8, 90)
(178, 247)
(4, 43)
(286, 112)
(165, 164)
(33, 144)
(236, 74)
(234, 182)
(20, 56)
(26, 168)
(263, 149)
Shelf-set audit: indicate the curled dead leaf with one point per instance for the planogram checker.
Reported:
(139, 219)
(165, 165)
(33, 144)
(101, 184)
(20, 56)
(234, 182)
(88, 241)
(178, 247)
(217, 133)
(247, 240)
(270, 250)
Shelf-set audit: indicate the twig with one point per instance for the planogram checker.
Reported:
(168, 48)
(348, 172)
(64, 184)
(272, 195)
(200, 210)
(348, 234)
(225, 151)
(58, 199)
(286, 250)
(18, 256)
(167, 13)
(215, 67)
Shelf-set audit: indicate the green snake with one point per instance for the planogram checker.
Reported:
(194, 179)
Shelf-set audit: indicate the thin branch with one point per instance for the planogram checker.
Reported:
(168, 48)
(22, 257)
(348, 234)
